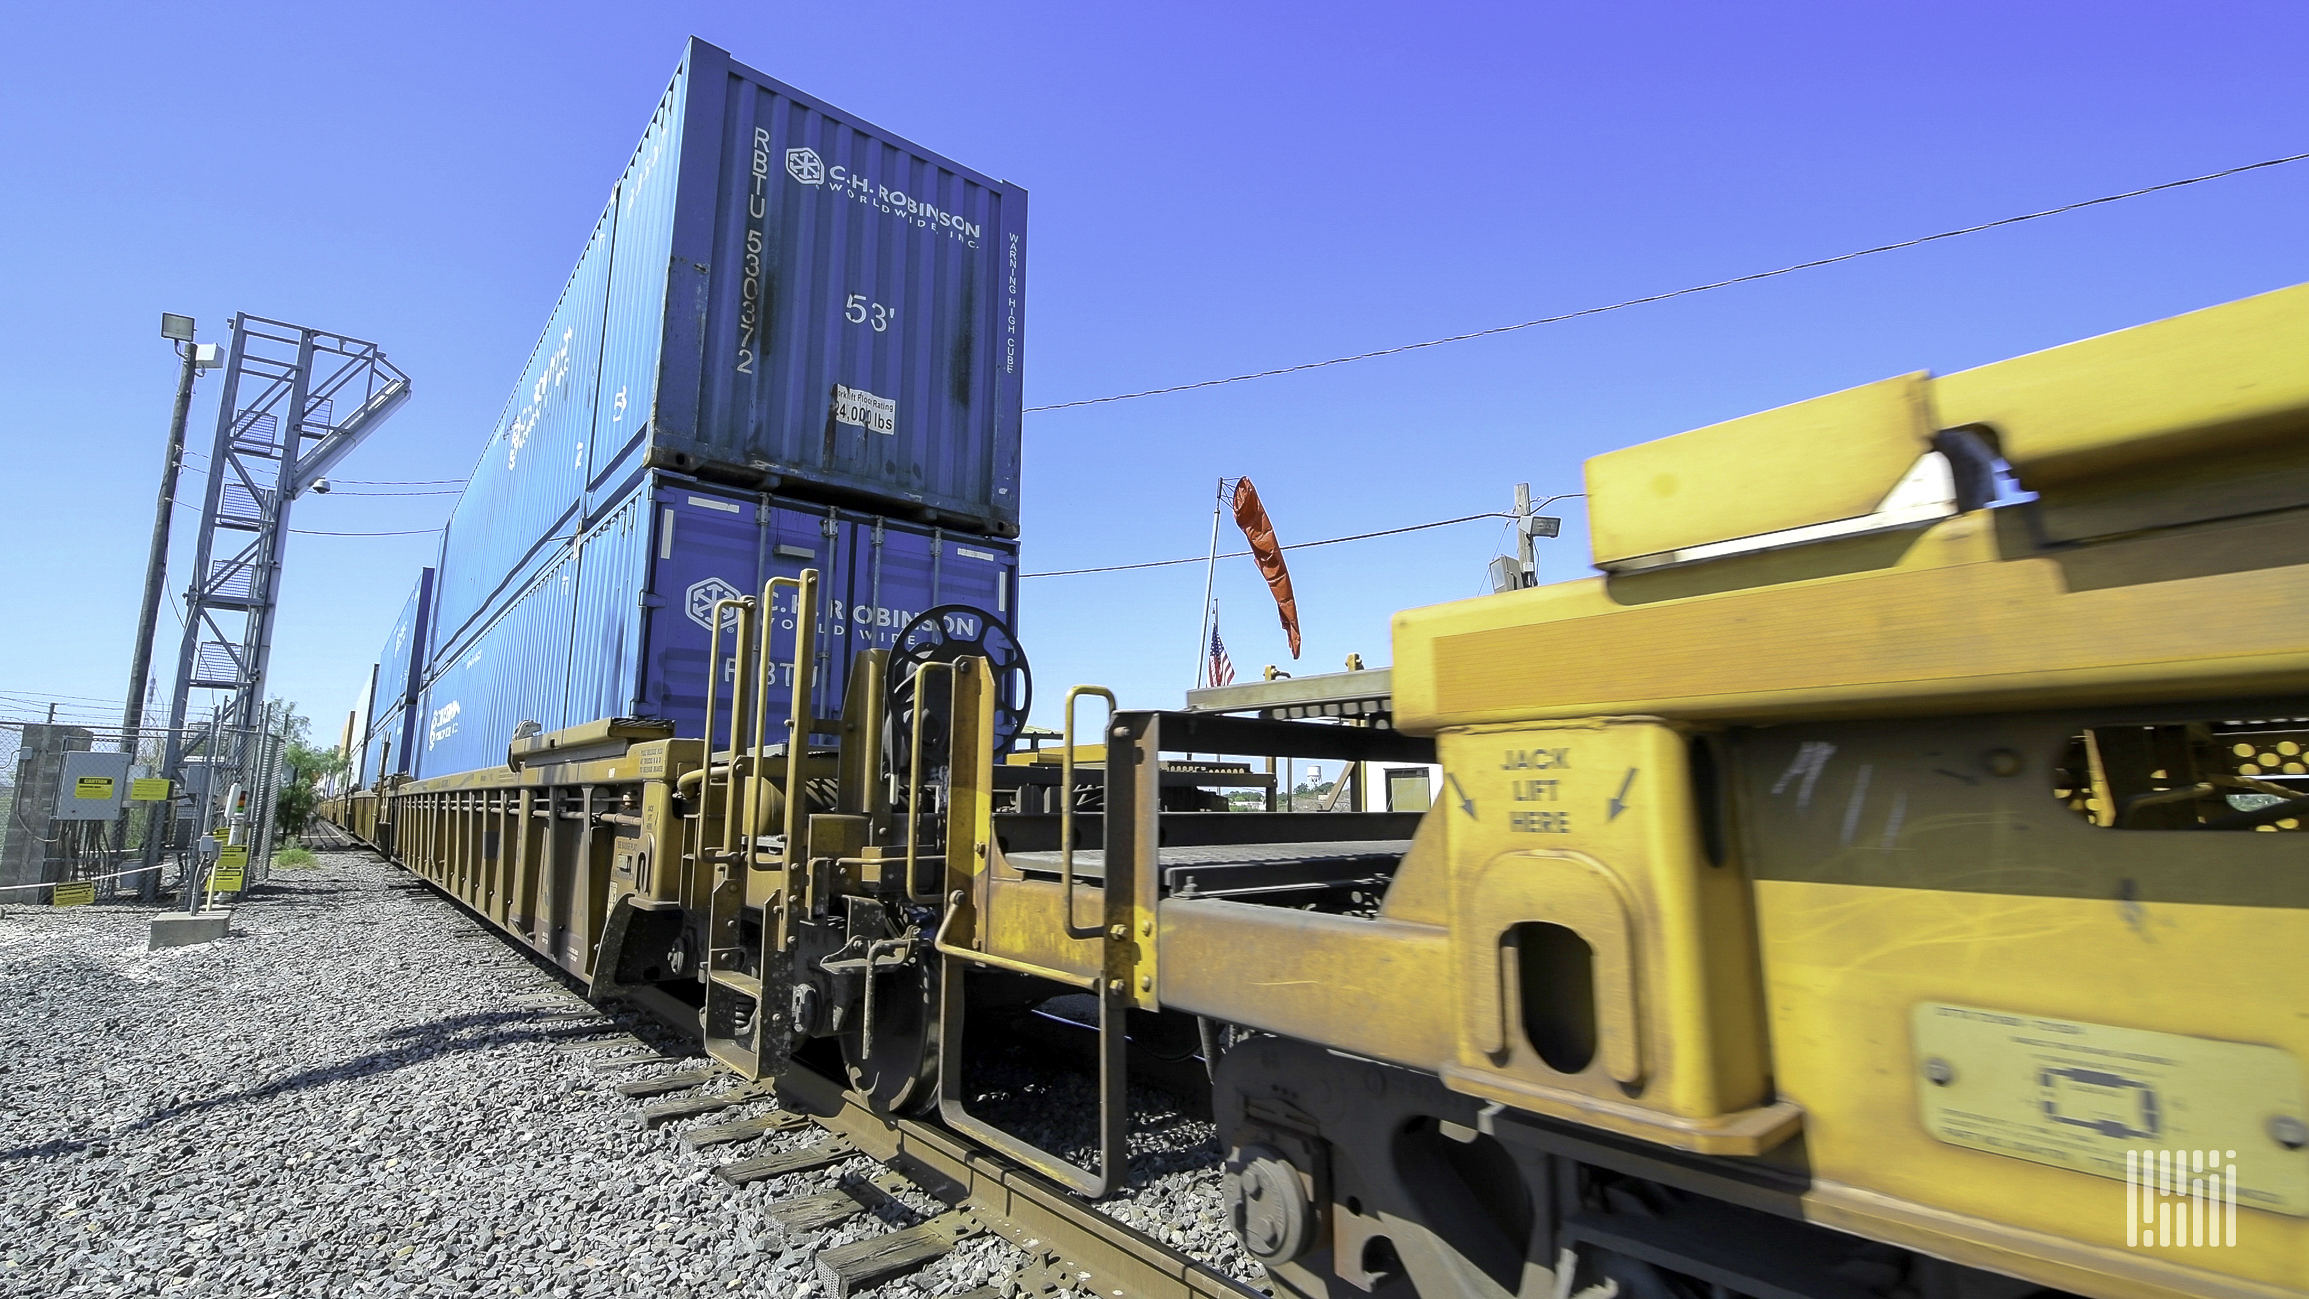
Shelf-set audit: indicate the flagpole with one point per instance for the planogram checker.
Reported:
(1210, 570)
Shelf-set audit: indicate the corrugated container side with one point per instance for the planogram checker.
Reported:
(420, 636)
(383, 752)
(401, 663)
(363, 721)
(525, 490)
(400, 674)
(862, 333)
(514, 671)
(633, 335)
(382, 694)
(605, 635)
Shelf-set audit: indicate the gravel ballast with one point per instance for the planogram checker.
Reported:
(363, 1092)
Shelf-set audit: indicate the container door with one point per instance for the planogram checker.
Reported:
(706, 546)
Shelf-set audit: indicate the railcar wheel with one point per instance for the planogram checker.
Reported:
(898, 1072)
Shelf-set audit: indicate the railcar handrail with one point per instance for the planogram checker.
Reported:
(743, 606)
(1066, 805)
(914, 777)
(798, 712)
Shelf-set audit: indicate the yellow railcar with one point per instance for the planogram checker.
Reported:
(1884, 880)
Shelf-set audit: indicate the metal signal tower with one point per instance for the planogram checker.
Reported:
(278, 432)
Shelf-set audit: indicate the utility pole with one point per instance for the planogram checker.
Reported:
(178, 330)
(1526, 560)
(1523, 570)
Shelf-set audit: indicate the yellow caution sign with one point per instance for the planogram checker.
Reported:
(73, 895)
(220, 832)
(226, 879)
(94, 789)
(235, 856)
(148, 790)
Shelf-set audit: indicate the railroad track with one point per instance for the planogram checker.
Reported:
(321, 835)
(1070, 1246)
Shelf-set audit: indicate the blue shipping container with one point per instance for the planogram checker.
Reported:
(361, 722)
(778, 295)
(383, 748)
(400, 674)
(617, 625)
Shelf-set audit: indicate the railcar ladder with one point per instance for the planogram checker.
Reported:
(753, 904)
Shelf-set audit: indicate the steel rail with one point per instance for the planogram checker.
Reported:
(1066, 1240)
(1068, 1237)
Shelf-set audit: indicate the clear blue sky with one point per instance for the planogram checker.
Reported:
(1215, 188)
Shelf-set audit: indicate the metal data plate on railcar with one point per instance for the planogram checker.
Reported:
(2080, 1096)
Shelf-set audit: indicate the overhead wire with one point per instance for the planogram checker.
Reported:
(369, 482)
(455, 491)
(61, 699)
(1623, 304)
(1302, 545)
(315, 532)
(1750, 278)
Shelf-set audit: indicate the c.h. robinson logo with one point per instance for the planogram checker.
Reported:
(699, 602)
(806, 166)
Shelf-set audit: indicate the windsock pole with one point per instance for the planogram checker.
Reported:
(1210, 570)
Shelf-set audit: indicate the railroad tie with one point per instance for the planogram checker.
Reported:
(666, 1082)
(689, 1107)
(600, 1048)
(827, 1208)
(589, 1036)
(746, 1129)
(625, 1062)
(863, 1264)
(832, 1150)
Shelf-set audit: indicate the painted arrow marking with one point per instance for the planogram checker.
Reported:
(1466, 804)
(1619, 801)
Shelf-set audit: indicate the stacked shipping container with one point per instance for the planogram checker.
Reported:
(629, 610)
(792, 340)
(390, 715)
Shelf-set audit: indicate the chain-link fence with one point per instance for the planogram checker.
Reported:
(85, 801)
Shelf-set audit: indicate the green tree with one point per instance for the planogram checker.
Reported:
(303, 766)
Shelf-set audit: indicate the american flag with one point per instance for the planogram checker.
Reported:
(1222, 667)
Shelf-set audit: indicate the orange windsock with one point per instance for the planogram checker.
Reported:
(1259, 530)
